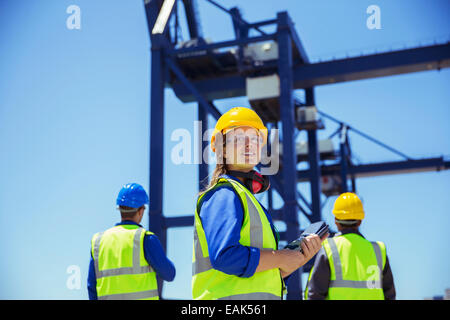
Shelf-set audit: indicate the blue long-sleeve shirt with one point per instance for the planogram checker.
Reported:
(222, 216)
(153, 253)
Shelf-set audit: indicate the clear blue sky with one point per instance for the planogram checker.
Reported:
(74, 127)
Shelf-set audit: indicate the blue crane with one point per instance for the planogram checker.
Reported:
(202, 71)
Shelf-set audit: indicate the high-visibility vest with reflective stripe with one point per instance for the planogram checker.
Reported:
(356, 266)
(209, 283)
(121, 270)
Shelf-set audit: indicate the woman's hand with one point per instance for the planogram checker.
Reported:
(290, 260)
(294, 259)
(311, 245)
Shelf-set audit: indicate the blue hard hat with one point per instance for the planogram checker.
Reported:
(132, 195)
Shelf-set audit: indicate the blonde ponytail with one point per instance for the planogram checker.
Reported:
(218, 171)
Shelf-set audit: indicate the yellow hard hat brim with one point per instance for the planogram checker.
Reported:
(343, 215)
(262, 131)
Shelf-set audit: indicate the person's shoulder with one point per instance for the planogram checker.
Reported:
(381, 244)
(149, 233)
(99, 233)
(221, 193)
(151, 239)
(219, 190)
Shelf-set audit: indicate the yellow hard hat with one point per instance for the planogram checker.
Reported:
(238, 117)
(348, 207)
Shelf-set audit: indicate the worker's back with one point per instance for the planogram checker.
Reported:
(121, 269)
(356, 266)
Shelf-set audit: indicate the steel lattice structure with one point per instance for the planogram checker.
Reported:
(203, 72)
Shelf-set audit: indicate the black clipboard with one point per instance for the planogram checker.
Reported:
(320, 228)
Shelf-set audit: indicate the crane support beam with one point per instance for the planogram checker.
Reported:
(193, 21)
(434, 57)
(381, 169)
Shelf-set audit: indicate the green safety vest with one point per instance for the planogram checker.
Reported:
(121, 271)
(356, 266)
(209, 283)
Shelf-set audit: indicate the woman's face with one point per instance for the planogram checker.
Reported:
(242, 148)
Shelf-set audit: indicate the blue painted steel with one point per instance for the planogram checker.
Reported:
(205, 104)
(344, 158)
(193, 21)
(288, 157)
(342, 124)
(263, 23)
(314, 168)
(156, 149)
(158, 72)
(238, 18)
(373, 66)
(301, 197)
(309, 75)
(203, 145)
(223, 44)
(220, 87)
(297, 42)
(240, 32)
(385, 168)
(314, 174)
(239, 26)
(180, 221)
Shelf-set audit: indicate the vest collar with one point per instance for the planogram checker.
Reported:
(228, 176)
(349, 230)
(129, 222)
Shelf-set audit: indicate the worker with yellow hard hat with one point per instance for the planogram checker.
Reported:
(236, 252)
(349, 267)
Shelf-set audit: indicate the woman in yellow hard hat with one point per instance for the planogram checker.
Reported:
(236, 252)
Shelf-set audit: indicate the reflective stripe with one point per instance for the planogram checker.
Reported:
(136, 249)
(252, 296)
(201, 263)
(135, 269)
(131, 295)
(340, 282)
(355, 284)
(336, 259)
(256, 228)
(96, 252)
(124, 271)
(377, 249)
